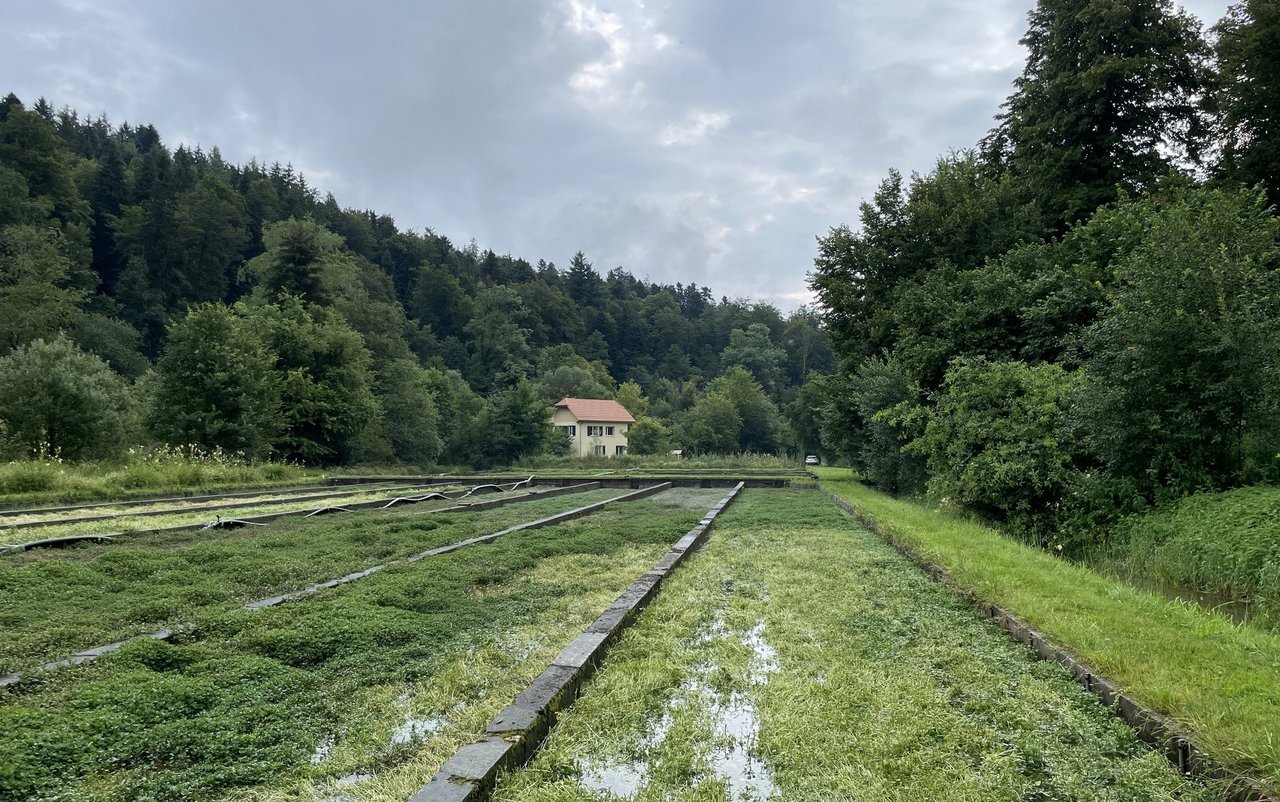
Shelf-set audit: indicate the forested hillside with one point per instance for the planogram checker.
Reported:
(150, 294)
(1079, 317)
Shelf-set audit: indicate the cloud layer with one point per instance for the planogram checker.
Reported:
(685, 141)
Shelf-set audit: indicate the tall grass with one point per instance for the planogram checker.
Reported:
(1223, 544)
(159, 470)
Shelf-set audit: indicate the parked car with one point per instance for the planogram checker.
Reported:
(812, 459)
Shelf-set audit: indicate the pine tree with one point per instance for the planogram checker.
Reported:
(1109, 91)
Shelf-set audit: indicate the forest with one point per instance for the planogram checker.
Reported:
(152, 297)
(1068, 325)
(1076, 321)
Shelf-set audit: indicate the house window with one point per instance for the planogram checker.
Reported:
(572, 431)
(608, 430)
(595, 431)
(620, 450)
(600, 451)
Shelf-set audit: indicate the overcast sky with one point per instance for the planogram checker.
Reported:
(695, 140)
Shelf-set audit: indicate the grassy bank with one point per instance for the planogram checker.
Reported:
(798, 657)
(1219, 680)
(1225, 545)
(362, 690)
(55, 602)
(37, 481)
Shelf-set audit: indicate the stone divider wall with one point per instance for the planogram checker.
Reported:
(1152, 728)
(513, 736)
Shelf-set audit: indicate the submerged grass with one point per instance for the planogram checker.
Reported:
(797, 657)
(1217, 679)
(56, 602)
(361, 691)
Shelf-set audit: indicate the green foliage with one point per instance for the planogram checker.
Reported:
(55, 397)
(410, 421)
(216, 385)
(326, 393)
(500, 349)
(648, 436)
(887, 404)
(753, 349)
(1183, 370)
(632, 398)
(303, 260)
(1224, 544)
(153, 471)
(513, 423)
(711, 426)
(37, 296)
(1108, 95)
(994, 442)
(1247, 93)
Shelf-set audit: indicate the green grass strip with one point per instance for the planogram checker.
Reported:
(799, 657)
(1219, 680)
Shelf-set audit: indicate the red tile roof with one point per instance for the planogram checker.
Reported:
(596, 409)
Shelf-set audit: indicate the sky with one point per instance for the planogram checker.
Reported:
(705, 141)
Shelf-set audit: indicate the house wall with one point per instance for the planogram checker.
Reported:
(582, 445)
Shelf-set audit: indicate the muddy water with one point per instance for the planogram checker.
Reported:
(735, 724)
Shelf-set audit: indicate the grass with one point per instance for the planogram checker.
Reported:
(132, 519)
(1218, 679)
(55, 602)
(798, 657)
(45, 481)
(238, 707)
(1222, 544)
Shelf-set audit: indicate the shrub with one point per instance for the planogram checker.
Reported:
(993, 442)
(54, 395)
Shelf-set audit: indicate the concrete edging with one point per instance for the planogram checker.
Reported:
(513, 736)
(1154, 729)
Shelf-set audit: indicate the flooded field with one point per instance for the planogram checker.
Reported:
(798, 657)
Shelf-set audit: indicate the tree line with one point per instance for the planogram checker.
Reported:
(1079, 317)
(150, 294)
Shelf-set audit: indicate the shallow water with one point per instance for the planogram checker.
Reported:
(735, 722)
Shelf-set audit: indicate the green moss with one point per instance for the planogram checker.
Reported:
(55, 602)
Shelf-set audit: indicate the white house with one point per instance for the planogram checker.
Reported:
(596, 427)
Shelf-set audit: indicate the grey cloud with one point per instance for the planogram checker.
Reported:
(687, 141)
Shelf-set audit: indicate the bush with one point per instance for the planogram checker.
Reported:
(55, 396)
(994, 445)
